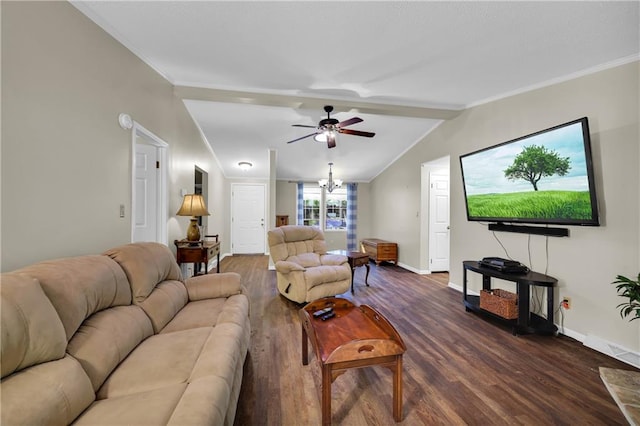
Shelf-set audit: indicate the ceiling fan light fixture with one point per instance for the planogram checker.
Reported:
(322, 137)
(245, 165)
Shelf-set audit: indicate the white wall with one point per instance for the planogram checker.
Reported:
(585, 263)
(66, 163)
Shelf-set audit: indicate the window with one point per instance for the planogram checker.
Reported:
(319, 204)
(311, 211)
(336, 209)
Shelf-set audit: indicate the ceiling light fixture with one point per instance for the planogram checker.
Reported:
(245, 165)
(322, 137)
(330, 184)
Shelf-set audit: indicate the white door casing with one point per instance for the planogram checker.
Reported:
(248, 218)
(439, 221)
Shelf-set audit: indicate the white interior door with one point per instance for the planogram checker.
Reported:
(439, 221)
(146, 193)
(248, 218)
(149, 202)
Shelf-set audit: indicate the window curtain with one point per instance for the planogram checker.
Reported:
(352, 216)
(300, 207)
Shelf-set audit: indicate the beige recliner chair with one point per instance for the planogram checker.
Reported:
(303, 269)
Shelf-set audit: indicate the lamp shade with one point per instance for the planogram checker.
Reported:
(193, 205)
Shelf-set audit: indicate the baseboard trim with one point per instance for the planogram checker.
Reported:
(412, 269)
(596, 343)
(613, 350)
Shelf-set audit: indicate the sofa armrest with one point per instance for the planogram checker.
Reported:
(333, 259)
(211, 286)
(284, 267)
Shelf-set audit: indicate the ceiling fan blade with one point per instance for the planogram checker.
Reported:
(349, 122)
(357, 133)
(331, 140)
(303, 137)
(304, 125)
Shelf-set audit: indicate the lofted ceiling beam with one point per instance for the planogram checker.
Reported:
(307, 102)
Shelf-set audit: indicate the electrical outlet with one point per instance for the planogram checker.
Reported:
(566, 302)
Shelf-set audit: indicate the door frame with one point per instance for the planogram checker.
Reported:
(161, 148)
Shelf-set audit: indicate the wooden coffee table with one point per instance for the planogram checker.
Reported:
(355, 258)
(358, 336)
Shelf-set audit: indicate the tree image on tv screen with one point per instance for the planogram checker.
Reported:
(536, 162)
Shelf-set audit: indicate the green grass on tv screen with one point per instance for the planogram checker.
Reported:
(531, 205)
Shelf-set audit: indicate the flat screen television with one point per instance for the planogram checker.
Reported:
(542, 178)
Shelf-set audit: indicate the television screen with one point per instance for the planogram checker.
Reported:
(545, 177)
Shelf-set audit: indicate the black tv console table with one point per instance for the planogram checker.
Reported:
(527, 322)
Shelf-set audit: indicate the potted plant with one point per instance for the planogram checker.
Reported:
(629, 288)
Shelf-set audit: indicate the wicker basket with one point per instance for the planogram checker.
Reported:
(500, 302)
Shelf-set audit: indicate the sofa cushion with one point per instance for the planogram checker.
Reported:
(201, 313)
(146, 265)
(161, 360)
(106, 338)
(202, 402)
(80, 286)
(166, 300)
(32, 332)
(211, 286)
(153, 407)
(222, 352)
(210, 312)
(51, 393)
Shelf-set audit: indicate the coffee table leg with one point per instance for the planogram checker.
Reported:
(326, 395)
(366, 277)
(305, 347)
(397, 390)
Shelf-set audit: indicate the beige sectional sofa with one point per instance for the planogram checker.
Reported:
(120, 338)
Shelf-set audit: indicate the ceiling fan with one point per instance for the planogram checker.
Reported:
(327, 129)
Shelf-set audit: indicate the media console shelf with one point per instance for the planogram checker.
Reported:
(527, 322)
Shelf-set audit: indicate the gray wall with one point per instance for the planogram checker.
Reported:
(66, 163)
(589, 260)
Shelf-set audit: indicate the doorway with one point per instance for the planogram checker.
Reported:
(201, 186)
(148, 186)
(248, 232)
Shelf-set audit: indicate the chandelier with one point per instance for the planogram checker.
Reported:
(330, 184)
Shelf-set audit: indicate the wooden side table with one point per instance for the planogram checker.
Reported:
(198, 252)
(356, 258)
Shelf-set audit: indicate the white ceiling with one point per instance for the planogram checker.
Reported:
(249, 70)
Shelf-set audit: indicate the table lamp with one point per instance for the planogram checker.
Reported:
(193, 205)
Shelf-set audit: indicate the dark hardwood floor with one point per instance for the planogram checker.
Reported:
(459, 368)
